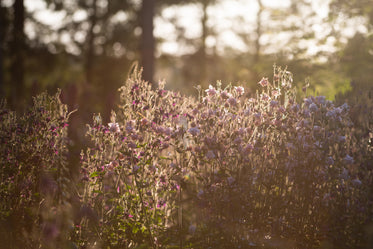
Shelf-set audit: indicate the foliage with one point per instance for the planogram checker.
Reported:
(264, 171)
(34, 177)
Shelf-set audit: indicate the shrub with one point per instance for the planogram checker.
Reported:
(224, 170)
(34, 179)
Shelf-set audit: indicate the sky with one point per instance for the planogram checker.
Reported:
(222, 18)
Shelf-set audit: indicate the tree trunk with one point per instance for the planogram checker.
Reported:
(17, 52)
(2, 36)
(204, 37)
(91, 39)
(258, 32)
(147, 39)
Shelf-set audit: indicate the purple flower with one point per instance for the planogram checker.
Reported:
(135, 168)
(161, 203)
(225, 95)
(313, 107)
(114, 127)
(273, 103)
(232, 101)
(192, 229)
(194, 131)
(329, 161)
(230, 180)
(211, 91)
(348, 159)
(321, 100)
(356, 182)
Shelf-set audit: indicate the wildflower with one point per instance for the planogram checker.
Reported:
(210, 154)
(144, 122)
(247, 112)
(344, 174)
(230, 180)
(276, 93)
(135, 168)
(248, 149)
(263, 82)
(329, 161)
(348, 159)
(237, 140)
(225, 95)
(129, 127)
(161, 203)
(258, 115)
(114, 127)
(273, 103)
(200, 193)
(345, 107)
(232, 101)
(192, 229)
(321, 100)
(251, 100)
(342, 139)
(194, 131)
(356, 182)
(264, 97)
(313, 107)
(211, 91)
(308, 101)
(331, 114)
(239, 89)
(316, 128)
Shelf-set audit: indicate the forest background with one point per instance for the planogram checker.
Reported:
(87, 47)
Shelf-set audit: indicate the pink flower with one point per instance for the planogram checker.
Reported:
(114, 127)
(276, 93)
(263, 82)
(232, 101)
(264, 97)
(225, 95)
(239, 89)
(211, 91)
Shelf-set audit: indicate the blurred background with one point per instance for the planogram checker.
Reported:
(87, 47)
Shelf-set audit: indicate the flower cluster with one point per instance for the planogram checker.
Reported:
(34, 192)
(226, 170)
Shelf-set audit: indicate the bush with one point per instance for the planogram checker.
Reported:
(34, 178)
(225, 170)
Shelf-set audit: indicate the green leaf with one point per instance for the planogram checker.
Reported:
(94, 174)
